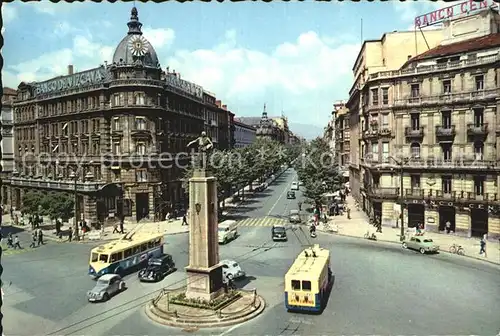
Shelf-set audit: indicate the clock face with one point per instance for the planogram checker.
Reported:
(138, 45)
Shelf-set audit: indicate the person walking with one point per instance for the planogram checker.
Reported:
(184, 220)
(17, 245)
(121, 225)
(40, 237)
(348, 210)
(70, 235)
(482, 249)
(115, 229)
(34, 239)
(448, 227)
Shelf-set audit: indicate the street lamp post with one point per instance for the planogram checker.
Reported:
(401, 195)
(75, 194)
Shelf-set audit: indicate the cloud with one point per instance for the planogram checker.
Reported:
(302, 77)
(83, 54)
(159, 37)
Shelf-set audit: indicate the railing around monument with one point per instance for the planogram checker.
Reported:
(219, 312)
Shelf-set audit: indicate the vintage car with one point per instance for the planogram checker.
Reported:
(290, 195)
(421, 244)
(231, 270)
(294, 217)
(157, 269)
(106, 286)
(278, 232)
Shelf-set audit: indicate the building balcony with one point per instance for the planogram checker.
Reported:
(382, 192)
(414, 133)
(485, 197)
(441, 195)
(370, 134)
(136, 82)
(445, 133)
(385, 131)
(477, 129)
(67, 185)
(140, 133)
(415, 193)
(448, 98)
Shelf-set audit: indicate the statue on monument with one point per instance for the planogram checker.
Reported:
(204, 145)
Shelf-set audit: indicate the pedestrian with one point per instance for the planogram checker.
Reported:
(483, 246)
(40, 237)
(121, 225)
(70, 235)
(33, 240)
(300, 206)
(348, 213)
(184, 220)
(448, 227)
(9, 240)
(16, 243)
(115, 229)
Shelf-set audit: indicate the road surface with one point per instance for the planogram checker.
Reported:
(379, 288)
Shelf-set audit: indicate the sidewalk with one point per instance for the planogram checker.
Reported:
(358, 225)
(168, 227)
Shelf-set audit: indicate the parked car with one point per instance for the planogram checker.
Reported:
(421, 244)
(294, 217)
(290, 195)
(157, 269)
(278, 232)
(231, 269)
(106, 286)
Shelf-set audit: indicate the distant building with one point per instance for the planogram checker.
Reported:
(275, 128)
(217, 121)
(244, 135)
(7, 141)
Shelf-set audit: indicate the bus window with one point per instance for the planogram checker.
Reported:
(295, 284)
(103, 258)
(128, 253)
(116, 257)
(144, 247)
(306, 285)
(151, 244)
(95, 257)
(157, 242)
(136, 249)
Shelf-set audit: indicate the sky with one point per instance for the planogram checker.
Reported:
(297, 58)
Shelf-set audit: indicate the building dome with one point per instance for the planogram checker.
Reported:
(135, 49)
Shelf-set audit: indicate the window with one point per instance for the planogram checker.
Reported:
(415, 181)
(478, 151)
(385, 151)
(375, 151)
(415, 121)
(140, 149)
(374, 96)
(139, 98)
(103, 258)
(116, 257)
(479, 185)
(376, 180)
(479, 82)
(296, 285)
(446, 184)
(141, 175)
(415, 90)
(95, 257)
(385, 96)
(306, 285)
(116, 100)
(446, 119)
(116, 148)
(128, 253)
(385, 120)
(116, 124)
(140, 123)
(144, 247)
(446, 150)
(415, 150)
(446, 86)
(478, 117)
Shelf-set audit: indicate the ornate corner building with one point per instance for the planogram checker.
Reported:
(428, 133)
(115, 136)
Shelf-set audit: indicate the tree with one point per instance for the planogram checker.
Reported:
(58, 205)
(318, 170)
(31, 202)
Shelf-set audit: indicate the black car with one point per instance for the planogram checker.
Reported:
(278, 232)
(290, 195)
(157, 269)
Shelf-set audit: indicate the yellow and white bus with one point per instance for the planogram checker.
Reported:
(123, 254)
(308, 280)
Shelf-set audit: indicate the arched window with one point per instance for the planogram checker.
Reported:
(415, 150)
(478, 150)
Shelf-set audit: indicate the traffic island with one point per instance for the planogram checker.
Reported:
(173, 309)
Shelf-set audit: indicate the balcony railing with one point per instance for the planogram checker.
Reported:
(411, 132)
(481, 197)
(385, 131)
(437, 67)
(447, 98)
(67, 185)
(477, 129)
(136, 81)
(445, 131)
(415, 192)
(369, 134)
(442, 195)
(382, 191)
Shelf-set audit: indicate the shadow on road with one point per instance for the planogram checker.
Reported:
(241, 283)
(13, 230)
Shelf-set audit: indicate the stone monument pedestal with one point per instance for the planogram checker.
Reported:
(204, 271)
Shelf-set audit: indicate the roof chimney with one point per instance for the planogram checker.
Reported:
(70, 69)
(409, 57)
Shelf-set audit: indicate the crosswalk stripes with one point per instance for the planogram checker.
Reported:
(262, 221)
(10, 251)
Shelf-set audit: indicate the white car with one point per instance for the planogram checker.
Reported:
(295, 186)
(231, 270)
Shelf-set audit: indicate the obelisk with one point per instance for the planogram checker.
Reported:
(204, 273)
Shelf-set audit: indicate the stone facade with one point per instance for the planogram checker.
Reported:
(7, 142)
(244, 135)
(428, 135)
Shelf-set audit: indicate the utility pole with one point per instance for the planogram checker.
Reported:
(75, 194)
(401, 200)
